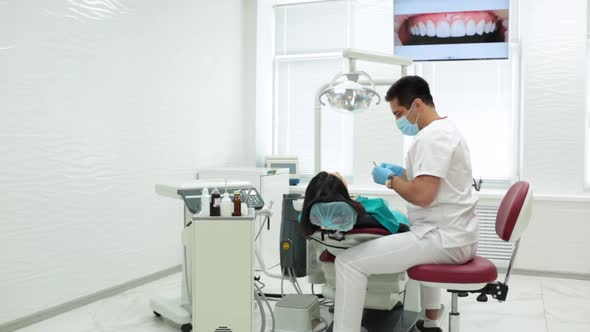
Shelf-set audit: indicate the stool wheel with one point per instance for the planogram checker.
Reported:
(482, 298)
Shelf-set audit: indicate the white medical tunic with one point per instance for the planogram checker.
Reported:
(440, 150)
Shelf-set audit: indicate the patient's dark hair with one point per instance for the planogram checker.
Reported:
(325, 187)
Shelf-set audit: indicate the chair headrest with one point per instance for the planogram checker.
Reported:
(337, 216)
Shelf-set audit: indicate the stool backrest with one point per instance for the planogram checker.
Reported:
(514, 213)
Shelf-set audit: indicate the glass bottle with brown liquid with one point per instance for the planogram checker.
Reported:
(237, 205)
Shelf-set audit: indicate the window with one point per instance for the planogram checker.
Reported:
(308, 40)
(297, 82)
(481, 97)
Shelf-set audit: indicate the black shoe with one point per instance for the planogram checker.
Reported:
(421, 328)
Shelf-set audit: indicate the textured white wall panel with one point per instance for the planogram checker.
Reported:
(553, 36)
(99, 100)
(556, 239)
(554, 51)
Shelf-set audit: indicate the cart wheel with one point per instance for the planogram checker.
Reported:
(157, 314)
(186, 327)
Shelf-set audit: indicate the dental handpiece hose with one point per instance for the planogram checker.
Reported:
(267, 212)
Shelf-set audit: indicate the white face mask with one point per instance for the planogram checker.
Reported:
(405, 126)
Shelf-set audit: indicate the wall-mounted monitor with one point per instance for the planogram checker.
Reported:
(428, 30)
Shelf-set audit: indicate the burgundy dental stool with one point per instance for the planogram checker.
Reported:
(479, 275)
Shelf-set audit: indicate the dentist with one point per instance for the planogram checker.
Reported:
(436, 183)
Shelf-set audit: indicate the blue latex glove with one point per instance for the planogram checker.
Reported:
(397, 170)
(380, 174)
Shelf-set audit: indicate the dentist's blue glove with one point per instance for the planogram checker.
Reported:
(397, 170)
(380, 174)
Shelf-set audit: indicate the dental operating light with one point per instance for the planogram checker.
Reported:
(350, 95)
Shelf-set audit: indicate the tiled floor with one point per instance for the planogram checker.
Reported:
(534, 304)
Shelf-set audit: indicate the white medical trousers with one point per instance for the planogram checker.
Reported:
(389, 254)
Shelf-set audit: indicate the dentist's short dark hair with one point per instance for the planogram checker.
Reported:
(408, 88)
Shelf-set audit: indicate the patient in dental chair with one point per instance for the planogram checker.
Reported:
(332, 188)
(328, 209)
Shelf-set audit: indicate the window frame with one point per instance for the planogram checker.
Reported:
(587, 114)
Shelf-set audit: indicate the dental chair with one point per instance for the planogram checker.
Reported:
(383, 291)
(385, 308)
(479, 275)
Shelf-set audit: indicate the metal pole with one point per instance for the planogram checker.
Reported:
(352, 65)
(512, 259)
(317, 133)
(454, 314)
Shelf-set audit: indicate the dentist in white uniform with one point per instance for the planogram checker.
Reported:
(437, 184)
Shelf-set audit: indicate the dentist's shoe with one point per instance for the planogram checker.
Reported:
(420, 327)
(420, 324)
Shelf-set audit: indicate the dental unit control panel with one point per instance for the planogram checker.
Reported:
(252, 198)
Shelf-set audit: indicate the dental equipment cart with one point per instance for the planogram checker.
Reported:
(217, 265)
(272, 184)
